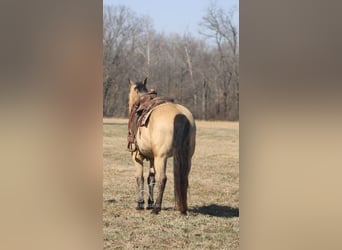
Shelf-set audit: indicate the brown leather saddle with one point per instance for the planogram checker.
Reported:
(140, 114)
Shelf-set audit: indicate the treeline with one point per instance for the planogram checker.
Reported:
(200, 72)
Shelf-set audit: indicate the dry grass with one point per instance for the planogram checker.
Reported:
(212, 221)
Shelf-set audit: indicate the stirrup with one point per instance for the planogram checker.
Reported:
(130, 147)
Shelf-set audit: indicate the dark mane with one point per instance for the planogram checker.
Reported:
(141, 87)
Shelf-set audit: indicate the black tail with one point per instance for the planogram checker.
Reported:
(181, 160)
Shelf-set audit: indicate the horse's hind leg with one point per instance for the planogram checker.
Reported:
(138, 163)
(160, 167)
(151, 181)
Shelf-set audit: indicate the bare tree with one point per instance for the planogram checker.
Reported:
(144, 43)
(200, 73)
(188, 54)
(219, 27)
(122, 29)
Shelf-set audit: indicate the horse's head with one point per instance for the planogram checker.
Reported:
(135, 91)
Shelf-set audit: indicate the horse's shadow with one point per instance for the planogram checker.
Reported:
(216, 210)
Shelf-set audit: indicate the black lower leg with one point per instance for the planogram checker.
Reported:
(151, 183)
(160, 188)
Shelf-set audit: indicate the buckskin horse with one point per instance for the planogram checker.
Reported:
(169, 130)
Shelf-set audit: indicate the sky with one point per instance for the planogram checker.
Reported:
(175, 16)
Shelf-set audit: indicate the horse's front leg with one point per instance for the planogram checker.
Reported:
(138, 163)
(151, 182)
(160, 168)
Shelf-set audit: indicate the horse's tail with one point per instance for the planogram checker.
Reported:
(181, 160)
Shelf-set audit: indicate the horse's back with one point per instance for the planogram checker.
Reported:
(167, 113)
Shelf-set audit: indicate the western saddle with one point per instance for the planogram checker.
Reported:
(140, 113)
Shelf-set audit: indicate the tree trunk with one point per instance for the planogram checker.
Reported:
(204, 100)
(188, 60)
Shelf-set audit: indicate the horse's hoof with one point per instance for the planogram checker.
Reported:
(149, 206)
(140, 206)
(155, 211)
(183, 212)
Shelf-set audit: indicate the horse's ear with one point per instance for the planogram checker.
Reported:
(130, 82)
(145, 81)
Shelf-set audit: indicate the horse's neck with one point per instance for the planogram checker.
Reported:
(130, 105)
(132, 100)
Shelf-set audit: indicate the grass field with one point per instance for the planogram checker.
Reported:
(213, 218)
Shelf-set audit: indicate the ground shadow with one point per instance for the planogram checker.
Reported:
(216, 210)
(111, 201)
